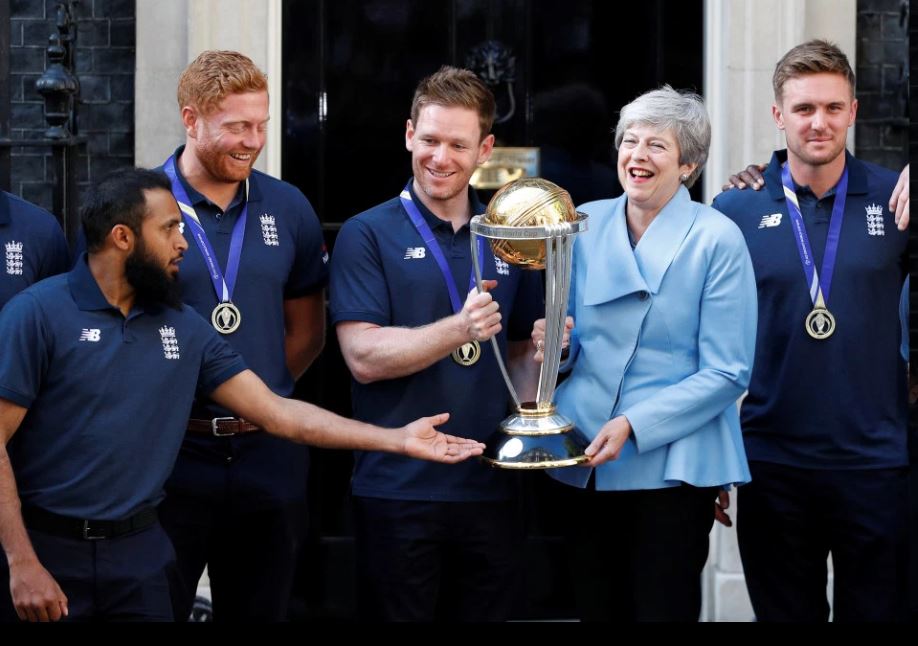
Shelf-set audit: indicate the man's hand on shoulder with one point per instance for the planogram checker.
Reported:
(751, 176)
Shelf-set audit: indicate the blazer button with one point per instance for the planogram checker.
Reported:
(642, 295)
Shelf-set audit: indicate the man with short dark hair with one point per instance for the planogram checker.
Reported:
(100, 370)
(824, 421)
(433, 544)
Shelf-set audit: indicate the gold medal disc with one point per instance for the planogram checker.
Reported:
(226, 318)
(820, 324)
(467, 354)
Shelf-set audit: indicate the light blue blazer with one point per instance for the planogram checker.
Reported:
(665, 335)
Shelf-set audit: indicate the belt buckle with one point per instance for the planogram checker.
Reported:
(214, 426)
(88, 532)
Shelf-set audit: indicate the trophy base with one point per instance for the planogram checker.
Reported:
(535, 440)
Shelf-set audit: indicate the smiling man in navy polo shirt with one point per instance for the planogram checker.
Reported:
(99, 374)
(33, 245)
(825, 419)
(242, 493)
(433, 543)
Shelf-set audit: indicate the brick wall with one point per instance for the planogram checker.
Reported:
(882, 134)
(104, 62)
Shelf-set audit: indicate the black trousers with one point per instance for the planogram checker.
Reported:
(250, 555)
(790, 519)
(113, 579)
(427, 561)
(638, 555)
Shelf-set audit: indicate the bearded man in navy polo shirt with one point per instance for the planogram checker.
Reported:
(99, 375)
(825, 418)
(32, 243)
(255, 268)
(433, 544)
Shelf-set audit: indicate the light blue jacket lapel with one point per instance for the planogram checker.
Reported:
(627, 271)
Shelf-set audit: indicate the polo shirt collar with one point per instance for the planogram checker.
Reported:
(432, 220)
(89, 297)
(5, 215)
(857, 175)
(198, 198)
(84, 288)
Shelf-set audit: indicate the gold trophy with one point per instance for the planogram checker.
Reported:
(531, 223)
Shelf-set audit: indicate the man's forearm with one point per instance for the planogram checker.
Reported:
(523, 369)
(379, 353)
(13, 535)
(308, 424)
(300, 353)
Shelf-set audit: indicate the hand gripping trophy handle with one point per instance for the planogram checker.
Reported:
(531, 223)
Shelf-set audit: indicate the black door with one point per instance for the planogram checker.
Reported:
(562, 69)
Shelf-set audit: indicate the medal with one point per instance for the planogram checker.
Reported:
(467, 354)
(226, 318)
(819, 323)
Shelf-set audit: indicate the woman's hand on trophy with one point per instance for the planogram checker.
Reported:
(538, 337)
(609, 442)
(480, 316)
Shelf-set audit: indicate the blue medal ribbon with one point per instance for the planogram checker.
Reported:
(819, 282)
(222, 286)
(431, 242)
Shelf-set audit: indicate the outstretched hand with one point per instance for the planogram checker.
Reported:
(751, 176)
(424, 441)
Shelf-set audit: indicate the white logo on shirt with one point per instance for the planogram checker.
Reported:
(91, 334)
(415, 253)
(875, 226)
(170, 343)
(269, 230)
(772, 220)
(502, 267)
(14, 258)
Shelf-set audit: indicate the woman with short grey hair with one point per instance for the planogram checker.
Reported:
(664, 300)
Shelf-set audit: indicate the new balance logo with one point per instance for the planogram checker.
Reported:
(415, 253)
(772, 220)
(502, 267)
(91, 334)
(14, 261)
(170, 343)
(269, 230)
(875, 225)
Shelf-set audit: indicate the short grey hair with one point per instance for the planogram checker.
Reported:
(681, 112)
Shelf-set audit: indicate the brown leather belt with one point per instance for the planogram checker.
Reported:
(221, 426)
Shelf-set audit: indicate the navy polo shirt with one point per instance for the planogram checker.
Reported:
(33, 246)
(108, 397)
(382, 273)
(283, 257)
(841, 402)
